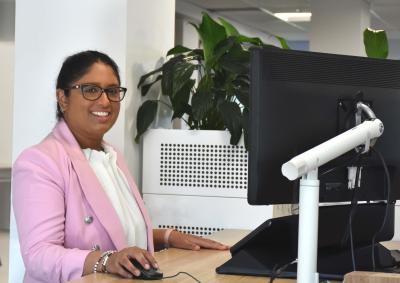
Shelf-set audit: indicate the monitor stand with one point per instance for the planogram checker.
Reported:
(274, 244)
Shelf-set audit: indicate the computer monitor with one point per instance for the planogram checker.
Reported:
(301, 99)
(298, 100)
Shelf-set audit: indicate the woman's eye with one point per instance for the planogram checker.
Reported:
(112, 91)
(92, 89)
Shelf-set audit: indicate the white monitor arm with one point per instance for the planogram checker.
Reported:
(306, 166)
(360, 135)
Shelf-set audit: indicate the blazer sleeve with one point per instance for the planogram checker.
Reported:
(38, 187)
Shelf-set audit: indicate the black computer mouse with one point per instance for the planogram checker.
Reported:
(146, 274)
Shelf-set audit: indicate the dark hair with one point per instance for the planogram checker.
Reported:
(76, 66)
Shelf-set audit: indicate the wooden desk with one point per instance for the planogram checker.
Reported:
(375, 277)
(201, 264)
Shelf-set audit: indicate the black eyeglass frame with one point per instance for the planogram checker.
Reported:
(103, 90)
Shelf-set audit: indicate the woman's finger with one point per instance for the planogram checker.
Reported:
(191, 242)
(142, 260)
(151, 260)
(209, 244)
(125, 267)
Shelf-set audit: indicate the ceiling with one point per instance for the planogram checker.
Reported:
(385, 14)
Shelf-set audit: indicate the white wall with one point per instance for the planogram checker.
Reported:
(337, 26)
(134, 33)
(7, 18)
(394, 49)
(150, 34)
(38, 56)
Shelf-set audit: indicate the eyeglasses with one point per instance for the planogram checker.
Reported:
(93, 92)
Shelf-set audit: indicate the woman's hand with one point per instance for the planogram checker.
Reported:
(119, 262)
(191, 242)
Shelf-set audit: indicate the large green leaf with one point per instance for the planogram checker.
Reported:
(168, 70)
(145, 116)
(178, 50)
(232, 45)
(243, 96)
(145, 76)
(253, 40)
(236, 60)
(180, 101)
(202, 99)
(233, 120)
(197, 54)
(210, 33)
(221, 49)
(182, 73)
(144, 89)
(229, 28)
(376, 43)
(283, 42)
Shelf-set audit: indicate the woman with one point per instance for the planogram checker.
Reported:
(77, 207)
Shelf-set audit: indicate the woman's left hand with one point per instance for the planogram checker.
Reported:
(191, 242)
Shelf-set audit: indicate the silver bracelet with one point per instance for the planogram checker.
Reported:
(105, 260)
(96, 265)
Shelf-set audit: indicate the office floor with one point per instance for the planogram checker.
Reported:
(4, 239)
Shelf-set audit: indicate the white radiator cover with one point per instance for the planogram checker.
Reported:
(196, 181)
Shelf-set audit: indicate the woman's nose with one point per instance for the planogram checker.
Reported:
(103, 99)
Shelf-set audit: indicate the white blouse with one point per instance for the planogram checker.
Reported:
(115, 185)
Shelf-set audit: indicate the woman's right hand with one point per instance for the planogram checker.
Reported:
(119, 262)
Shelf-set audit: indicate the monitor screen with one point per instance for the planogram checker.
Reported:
(301, 99)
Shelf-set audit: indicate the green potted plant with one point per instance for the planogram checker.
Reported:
(187, 171)
(207, 88)
(376, 43)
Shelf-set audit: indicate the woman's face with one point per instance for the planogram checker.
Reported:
(90, 120)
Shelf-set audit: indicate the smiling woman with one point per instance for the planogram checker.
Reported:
(77, 208)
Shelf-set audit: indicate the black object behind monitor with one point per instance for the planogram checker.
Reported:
(301, 99)
(274, 244)
(297, 101)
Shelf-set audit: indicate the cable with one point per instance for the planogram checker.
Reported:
(351, 214)
(182, 272)
(276, 271)
(348, 235)
(388, 189)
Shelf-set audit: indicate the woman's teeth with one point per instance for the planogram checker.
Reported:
(101, 114)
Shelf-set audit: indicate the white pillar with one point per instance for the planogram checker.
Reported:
(136, 34)
(338, 26)
(7, 18)
(150, 34)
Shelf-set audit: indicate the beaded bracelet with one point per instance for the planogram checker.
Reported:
(96, 265)
(105, 260)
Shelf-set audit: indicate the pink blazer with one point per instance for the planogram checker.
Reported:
(61, 210)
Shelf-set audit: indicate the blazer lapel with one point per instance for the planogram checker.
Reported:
(91, 187)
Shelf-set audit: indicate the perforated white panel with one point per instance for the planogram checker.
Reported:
(203, 166)
(196, 182)
(193, 163)
(194, 230)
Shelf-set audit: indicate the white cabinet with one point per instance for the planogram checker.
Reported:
(196, 182)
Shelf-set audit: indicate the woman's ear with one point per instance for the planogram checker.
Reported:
(62, 100)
